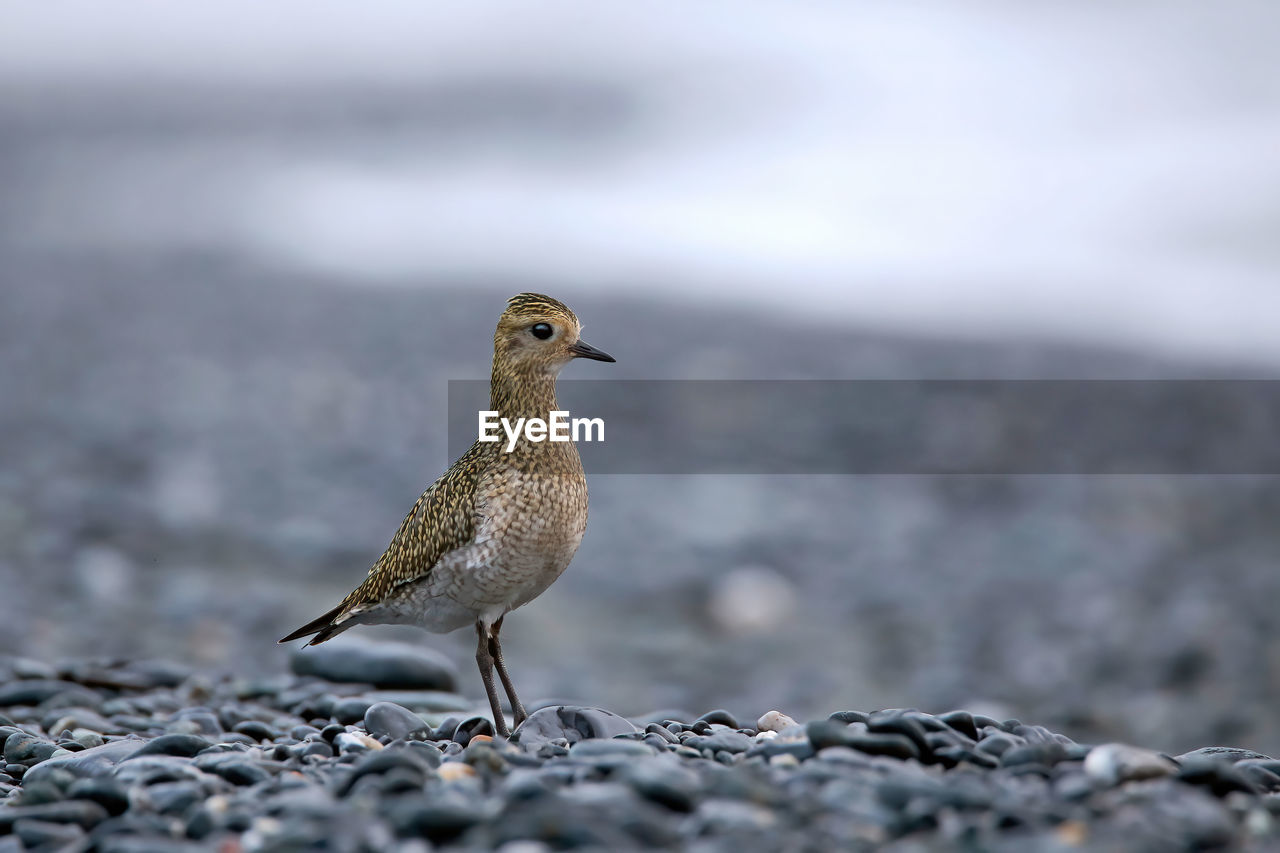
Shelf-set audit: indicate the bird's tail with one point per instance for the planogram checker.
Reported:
(324, 627)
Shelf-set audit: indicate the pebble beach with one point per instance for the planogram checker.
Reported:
(367, 746)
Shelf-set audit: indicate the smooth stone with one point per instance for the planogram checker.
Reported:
(847, 717)
(195, 721)
(238, 768)
(891, 723)
(1226, 753)
(150, 769)
(382, 664)
(175, 798)
(106, 792)
(28, 750)
(387, 719)
(608, 747)
(774, 721)
(83, 813)
(470, 728)
(719, 717)
(351, 710)
(98, 761)
(68, 719)
(439, 818)
(1219, 775)
(28, 668)
(961, 721)
(1113, 763)
(997, 744)
(47, 835)
(894, 745)
(730, 741)
(406, 761)
(37, 691)
(572, 723)
(661, 732)
(255, 730)
(186, 746)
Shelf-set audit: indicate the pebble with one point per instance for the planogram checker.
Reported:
(382, 664)
(1113, 763)
(572, 723)
(387, 719)
(296, 762)
(774, 721)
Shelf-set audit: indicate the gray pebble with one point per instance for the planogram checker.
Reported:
(382, 664)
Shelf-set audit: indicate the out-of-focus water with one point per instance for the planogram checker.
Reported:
(1093, 172)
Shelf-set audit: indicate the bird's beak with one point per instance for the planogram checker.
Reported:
(582, 349)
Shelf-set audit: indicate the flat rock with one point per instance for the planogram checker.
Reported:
(1225, 753)
(571, 722)
(382, 664)
(88, 763)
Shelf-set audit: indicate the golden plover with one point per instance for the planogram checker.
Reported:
(500, 525)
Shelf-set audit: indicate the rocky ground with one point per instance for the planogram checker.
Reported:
(366, 746)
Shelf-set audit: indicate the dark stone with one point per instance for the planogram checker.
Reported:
(997, 744)
(1223, 753)
(238, 768)
(36, 691)
(407, 761)
(150, 769)
(961, 721)
(570, 722)
(28, 750)
(438, 819)
(1219, 775)
(719, 717)
(829, 732)
(894, 745)
(391, 665)
(332, 731)
(609, 747)
(175, 798)
(662, 732)
(98, 761)
(1264, 775)
(47, 835)
(470, 727)
(900, 724)
(663, 780)
(351, 710)
(108, 793)
(83, 813)
(185, 746)
(847, 717)
(255, 729)
(733, 742)
(387, 719)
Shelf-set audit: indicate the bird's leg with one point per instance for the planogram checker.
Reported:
(495, 651)
(484, 660)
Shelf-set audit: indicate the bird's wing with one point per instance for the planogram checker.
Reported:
(442, 520)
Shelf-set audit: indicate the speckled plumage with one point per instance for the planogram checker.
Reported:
(498, 527)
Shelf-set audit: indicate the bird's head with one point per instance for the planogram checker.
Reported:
(540, 335)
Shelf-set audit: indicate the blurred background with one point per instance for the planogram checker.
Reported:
(245, 247)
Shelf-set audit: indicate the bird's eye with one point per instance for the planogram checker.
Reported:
(541, 331)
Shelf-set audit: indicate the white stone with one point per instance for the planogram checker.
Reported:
(774, 721)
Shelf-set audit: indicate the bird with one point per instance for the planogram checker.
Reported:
(500, 525)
